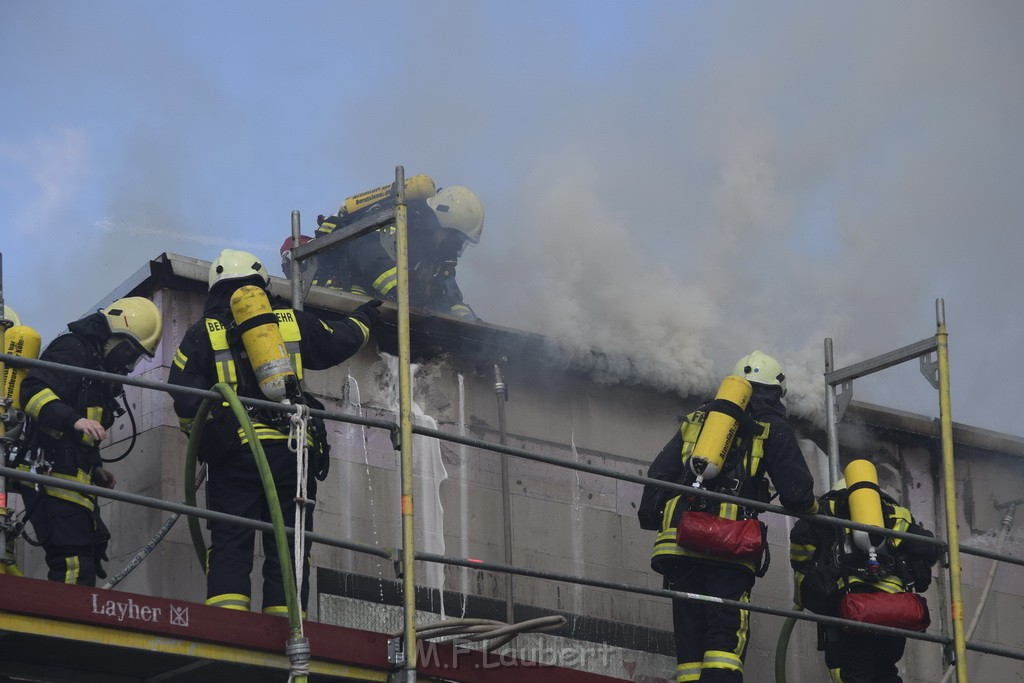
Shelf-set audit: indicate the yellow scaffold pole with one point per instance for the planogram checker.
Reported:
(6, 553)
(405, 410)
(953, 533)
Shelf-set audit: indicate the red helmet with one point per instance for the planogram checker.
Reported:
(286, 257)
(287, 244)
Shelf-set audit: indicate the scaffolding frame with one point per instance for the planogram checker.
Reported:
(470, 563)
(936, 371)
(403, 430)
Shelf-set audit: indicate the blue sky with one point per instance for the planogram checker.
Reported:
(681, 182)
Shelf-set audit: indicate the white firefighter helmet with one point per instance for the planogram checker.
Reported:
(234, 264)
(758, 366)
(10, 316)
(459, 208)
(138, 319)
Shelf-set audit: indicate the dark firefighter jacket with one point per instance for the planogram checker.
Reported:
(774, 452)
(56, 400)
(367, 266)
(205, 358)
(826, 566)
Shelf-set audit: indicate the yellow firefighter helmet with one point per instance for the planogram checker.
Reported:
(459, 208)
(758, 366)
(234, 264)
(138, 319)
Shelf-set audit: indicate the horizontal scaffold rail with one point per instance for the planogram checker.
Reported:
(395, 554)
(392, 427)
(882, 361)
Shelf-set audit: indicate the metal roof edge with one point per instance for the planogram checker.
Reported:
(485, 343)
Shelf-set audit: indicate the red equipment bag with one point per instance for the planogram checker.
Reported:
(900, 610)
(704, 532)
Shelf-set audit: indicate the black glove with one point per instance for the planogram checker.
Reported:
(370, 312)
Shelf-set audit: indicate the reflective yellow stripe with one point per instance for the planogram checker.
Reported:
(798, 581)
(890, 584)
(93, 413)
(281, 610)
(720, 659)
(267, 433)
(687, 671)
(235, 601)
(36, 403)
(900, 522)
(362, 328)
(64, 494)
(801, 552)
(80, 477)
(835, 675)
(224, 361)
(72, 569)
(291, 336)
(180, 359)
(387, 281)
(668, 515)
(743, 632)
(729, 510)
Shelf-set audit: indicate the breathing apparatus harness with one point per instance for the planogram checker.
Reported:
(723, 458)
(27, 451)
(877, 590)
(734, 478)
(248, 384)
(852, 561)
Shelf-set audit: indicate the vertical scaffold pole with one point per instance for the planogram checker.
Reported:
(405, 409)
(831, 418)
(296, 270)
(952, 532)
(3, 449)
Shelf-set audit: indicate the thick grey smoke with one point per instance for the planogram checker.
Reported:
(670, 183)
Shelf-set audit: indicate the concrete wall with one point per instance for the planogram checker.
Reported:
(579, 524)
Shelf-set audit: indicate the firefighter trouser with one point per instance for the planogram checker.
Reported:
(711, 640)
(73, 537)
(860, 657)
(234, 487)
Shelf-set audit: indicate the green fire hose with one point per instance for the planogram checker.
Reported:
(297, 642)
(781, 646)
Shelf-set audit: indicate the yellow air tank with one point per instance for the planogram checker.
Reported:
(865, 502)
(719, 430)
(263, 343)
(24, 342)
(416, 187)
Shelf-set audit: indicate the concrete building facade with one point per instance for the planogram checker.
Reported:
(562, 520)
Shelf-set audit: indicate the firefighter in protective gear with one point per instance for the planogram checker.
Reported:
(711, 640)
(827, 564)
(212, 351)
(440, 227)
(73, 415)
(306, 269)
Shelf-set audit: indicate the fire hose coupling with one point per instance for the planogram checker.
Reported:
(500, 388)
(396, 652)
(298, 652)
